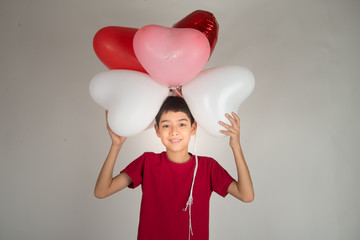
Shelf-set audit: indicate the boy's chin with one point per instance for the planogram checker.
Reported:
(176, 149)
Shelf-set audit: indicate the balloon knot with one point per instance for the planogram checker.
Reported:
(176, 91)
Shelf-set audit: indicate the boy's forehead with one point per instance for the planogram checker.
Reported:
(171, 115)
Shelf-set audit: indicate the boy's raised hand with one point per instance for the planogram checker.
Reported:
(242, 188)
(233, 131)
(116, 139)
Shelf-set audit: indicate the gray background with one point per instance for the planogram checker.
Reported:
(299, 128)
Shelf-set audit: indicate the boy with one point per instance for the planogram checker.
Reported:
(168, 178)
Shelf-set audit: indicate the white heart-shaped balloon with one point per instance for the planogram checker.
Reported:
(217, 91)
(132, 98)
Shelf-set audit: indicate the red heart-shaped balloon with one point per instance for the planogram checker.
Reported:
(114, 47)
(203, 21)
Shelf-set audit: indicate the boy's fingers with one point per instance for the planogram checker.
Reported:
(224, 124)
(232, 119)
(236, 117)
(226, 132)
(235, 121)
(227, 126)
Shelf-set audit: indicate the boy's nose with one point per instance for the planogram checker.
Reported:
(174, 132)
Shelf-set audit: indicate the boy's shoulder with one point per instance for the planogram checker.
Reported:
(208, 160)
(205, 158)
(151, 156)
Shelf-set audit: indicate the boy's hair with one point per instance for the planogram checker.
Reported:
(174, 104)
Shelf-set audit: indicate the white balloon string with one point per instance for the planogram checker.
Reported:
(190, 200)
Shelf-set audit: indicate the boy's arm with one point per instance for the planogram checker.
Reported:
(106, 184)
(243, 188)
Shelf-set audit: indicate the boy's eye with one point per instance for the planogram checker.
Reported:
(182, 124)
(165, 126)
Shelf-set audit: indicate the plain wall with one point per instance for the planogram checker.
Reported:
(299, 128)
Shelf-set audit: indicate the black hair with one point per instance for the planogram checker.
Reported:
(174, 104)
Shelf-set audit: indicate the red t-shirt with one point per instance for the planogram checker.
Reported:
(166, 188)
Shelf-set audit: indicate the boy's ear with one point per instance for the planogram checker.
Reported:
(193, 128)
(157, 130)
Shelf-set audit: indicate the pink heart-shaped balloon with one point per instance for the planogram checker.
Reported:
(171, 56)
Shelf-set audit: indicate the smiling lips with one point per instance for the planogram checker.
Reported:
(175, 140)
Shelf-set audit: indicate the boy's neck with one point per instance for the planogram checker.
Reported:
(178, 157)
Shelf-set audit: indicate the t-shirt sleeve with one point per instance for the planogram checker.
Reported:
(135, 171)
(220, 179)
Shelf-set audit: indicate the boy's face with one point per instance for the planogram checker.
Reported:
(175, 131)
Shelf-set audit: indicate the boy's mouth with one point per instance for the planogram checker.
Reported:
(175, 140)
